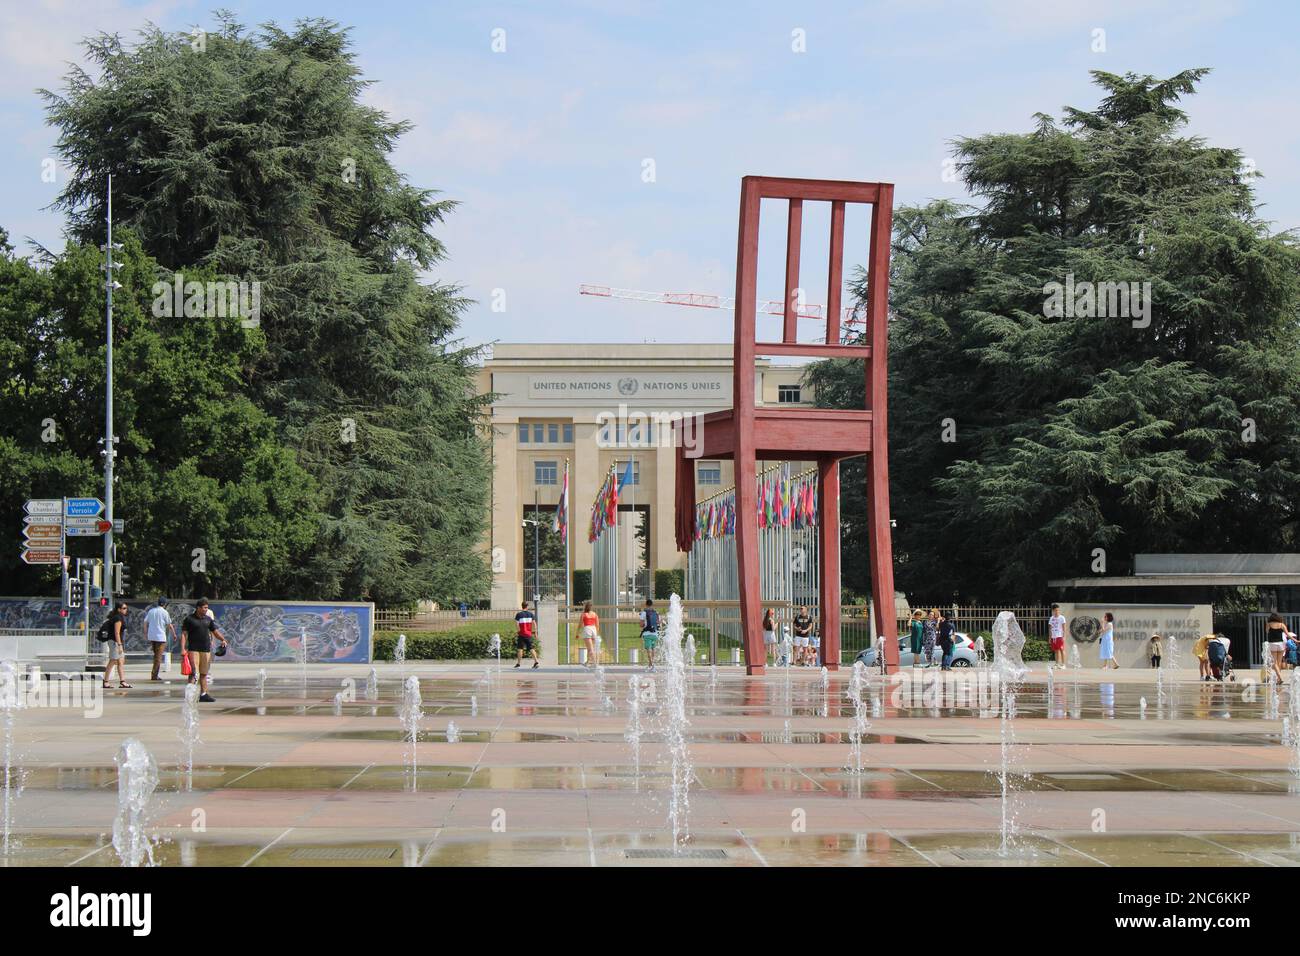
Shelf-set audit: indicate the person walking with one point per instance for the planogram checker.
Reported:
(1275, 642)
(769, 637)
(1107, 652)
(525, 630)
(1056, 634)
(929, 635)
(649, 631)
(803, 637)
(1155, 650)
(157, 622)
(197, 631)
(112, 634)
(589, 625)
(946, 631)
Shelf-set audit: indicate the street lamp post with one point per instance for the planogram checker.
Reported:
(109, 451)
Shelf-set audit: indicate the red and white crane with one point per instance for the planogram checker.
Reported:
(726, 303)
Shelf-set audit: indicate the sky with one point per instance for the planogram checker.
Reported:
(603, 141)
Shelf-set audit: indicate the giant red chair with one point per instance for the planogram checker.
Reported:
(748, 433)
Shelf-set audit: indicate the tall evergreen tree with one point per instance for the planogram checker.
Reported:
(213, 502)
(1030, 427)
(250, 154)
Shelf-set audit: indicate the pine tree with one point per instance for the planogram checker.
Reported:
(250, 154)
(1172, 428)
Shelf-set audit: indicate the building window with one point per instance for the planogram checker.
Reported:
(568, 434)
(523, 434)
(787, 394)
(710, 473)
(621, 466)
(546, 473)
(553, 433)
(539, 434)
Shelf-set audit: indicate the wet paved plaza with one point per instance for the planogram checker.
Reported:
(542, 772)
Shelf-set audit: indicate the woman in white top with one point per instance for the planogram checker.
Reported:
(1275, 635)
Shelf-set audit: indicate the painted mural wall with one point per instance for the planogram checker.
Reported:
(340, 633)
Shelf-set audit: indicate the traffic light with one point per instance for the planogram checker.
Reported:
(76, 594)
(120, 581)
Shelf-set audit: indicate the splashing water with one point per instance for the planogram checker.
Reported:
(494, 647)
(1075, 662)
(713, 677)
(633, 733)
(410, 714)
(399, 650)
(372, 685)
(338, 704)
(473, 706)
(1293, 708)
(1142, 708)
(137, 777)
(856, 688)
(1009, 669)
(189, 732)
(302, 657)
(675, 724)
(453, 732)
(11, 700)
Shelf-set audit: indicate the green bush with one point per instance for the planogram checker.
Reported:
(581, 585)
(468, 643)
(1037, 649)
(669, 581)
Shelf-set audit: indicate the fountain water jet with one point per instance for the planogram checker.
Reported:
(137, 777)
(11, 700)
(189, 732)
(453, 732)
(261, 684)
(675, 724)
(1009, 669)
(857, 685)
(372, 685)
(633, 733)
(410, 714)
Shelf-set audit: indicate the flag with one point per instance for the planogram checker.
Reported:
(627, 475)
(562, 509)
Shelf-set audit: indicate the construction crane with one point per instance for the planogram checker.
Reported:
(705, 300)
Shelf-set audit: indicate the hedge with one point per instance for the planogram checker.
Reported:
(469, 643)
(581, 585)
(669, 581)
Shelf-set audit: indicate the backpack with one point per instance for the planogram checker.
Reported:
(106, 629)
(651, 619)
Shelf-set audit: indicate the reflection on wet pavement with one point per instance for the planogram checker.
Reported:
(542, 774)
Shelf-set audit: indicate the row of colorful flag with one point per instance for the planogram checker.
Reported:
(604, 510)
(782, 502)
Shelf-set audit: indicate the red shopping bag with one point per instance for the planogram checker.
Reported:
(186, 669)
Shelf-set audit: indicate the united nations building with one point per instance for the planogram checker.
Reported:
(595, 408)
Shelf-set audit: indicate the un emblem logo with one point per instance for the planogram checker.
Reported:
(627, 386)
(1085, 629)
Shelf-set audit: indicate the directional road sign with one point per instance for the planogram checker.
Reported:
(84, 507)
(45, 506)
(41, 556)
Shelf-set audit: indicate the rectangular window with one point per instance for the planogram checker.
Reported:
(553, 433)
(523, 434)
(788, 394)
(568, 434)
(546, 473)
(710, 473)
(538, 434)
(621, 466)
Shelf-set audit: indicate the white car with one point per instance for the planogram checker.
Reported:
(963, 652)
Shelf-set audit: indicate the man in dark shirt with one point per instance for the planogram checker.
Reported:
(196, 640)
(803, 637)
(525, 623)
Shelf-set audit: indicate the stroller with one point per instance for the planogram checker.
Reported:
(1220, 661)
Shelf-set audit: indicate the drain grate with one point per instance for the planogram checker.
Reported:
(1081, 776)
(687, 854)
(349, 853)
(621, 773)
(974, 855)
